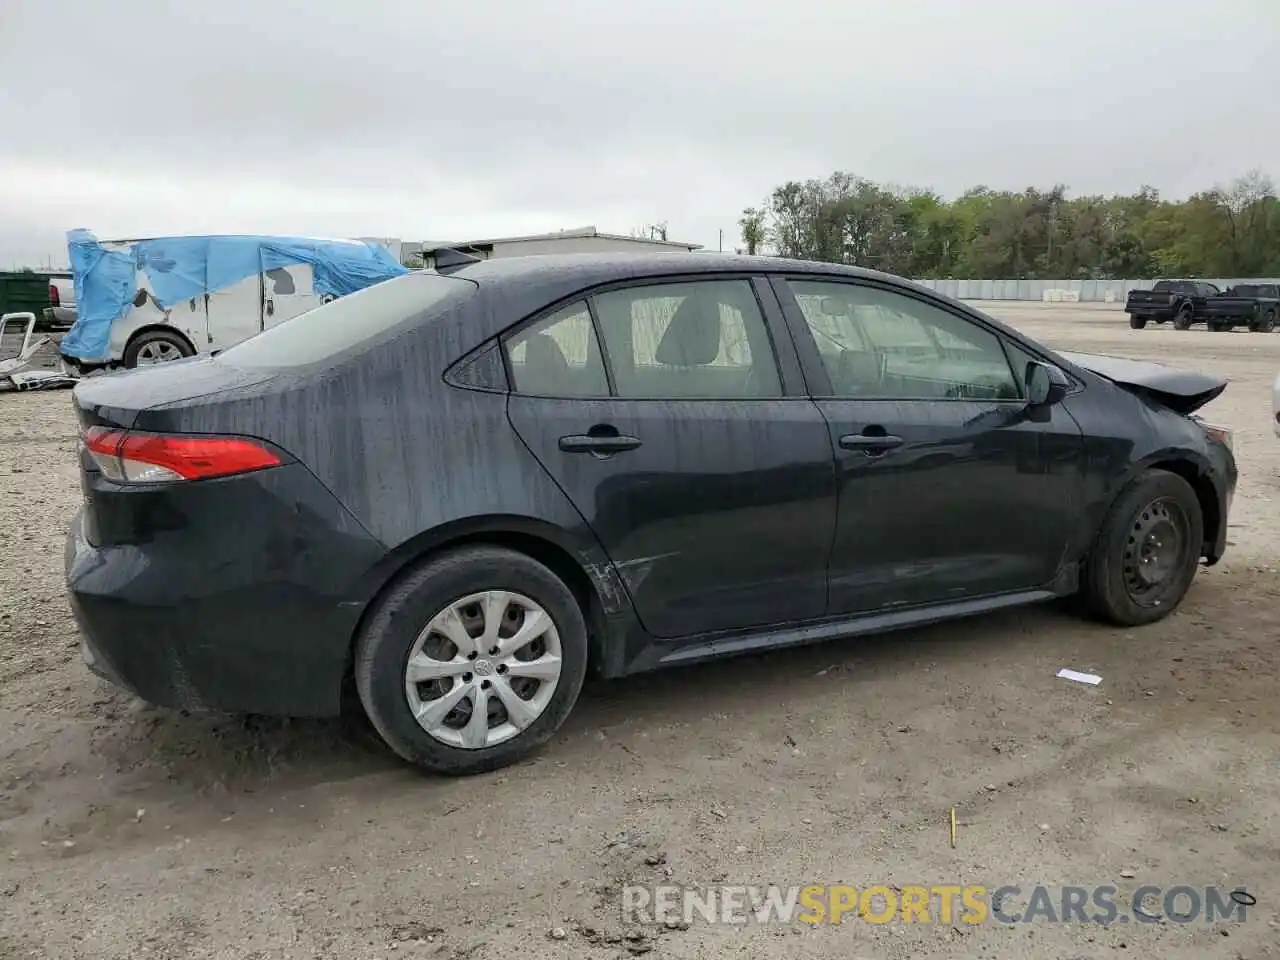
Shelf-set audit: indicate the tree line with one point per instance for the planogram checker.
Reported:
(1226, 231)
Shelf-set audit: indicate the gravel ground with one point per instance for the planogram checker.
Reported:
(127, 831)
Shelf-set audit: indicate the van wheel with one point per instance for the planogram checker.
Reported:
(1146, 552)
(1184, 318)
(472, 660)
(156, 346)
(1137, 323)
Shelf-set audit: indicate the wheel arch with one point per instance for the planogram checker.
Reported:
(582, 566)
(1191, 467)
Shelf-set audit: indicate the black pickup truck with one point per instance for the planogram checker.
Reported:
(1252, 305)
(1182, 301)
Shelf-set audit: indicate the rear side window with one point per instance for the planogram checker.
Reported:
(559, 356)
(703, 339)
(333, 328)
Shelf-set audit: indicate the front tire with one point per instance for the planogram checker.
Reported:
(1146, 553)
(1267, 323)
(1184, 318)
(474, 627)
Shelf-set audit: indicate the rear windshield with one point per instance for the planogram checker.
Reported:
(347, 322)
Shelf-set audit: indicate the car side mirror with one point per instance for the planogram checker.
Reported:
(1046, 384)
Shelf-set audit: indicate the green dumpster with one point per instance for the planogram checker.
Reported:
(23, 292)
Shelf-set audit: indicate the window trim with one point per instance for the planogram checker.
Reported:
(816, 372)
(791, 386)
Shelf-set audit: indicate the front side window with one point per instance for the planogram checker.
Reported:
(558, 356)
(702, 339)
(879, 345)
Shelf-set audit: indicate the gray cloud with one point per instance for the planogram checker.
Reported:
(432, 120)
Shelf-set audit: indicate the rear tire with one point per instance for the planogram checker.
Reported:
(1184, 318)
(1145, 555)
(156, 346)
(409, 617)
(1268, 322)
(1137, 323)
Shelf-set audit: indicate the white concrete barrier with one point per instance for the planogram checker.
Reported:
(1061, 296)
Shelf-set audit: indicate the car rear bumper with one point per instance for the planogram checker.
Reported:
(250, 613)
(1149, 311)
(1231, 316)
(60, 316)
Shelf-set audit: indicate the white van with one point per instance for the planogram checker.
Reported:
(152, 300)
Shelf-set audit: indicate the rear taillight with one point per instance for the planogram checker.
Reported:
(127, 457)
(54, 299)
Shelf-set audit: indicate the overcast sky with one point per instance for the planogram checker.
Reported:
(432, 120)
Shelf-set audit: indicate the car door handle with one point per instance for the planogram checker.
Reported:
(869, 443)
(585, 443)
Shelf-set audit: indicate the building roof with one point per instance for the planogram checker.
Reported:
(578, 233)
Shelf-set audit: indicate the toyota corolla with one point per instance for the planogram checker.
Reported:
(460, 490)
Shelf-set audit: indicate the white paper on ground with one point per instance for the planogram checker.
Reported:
(1078, 677)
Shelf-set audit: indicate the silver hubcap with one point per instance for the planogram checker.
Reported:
(485, 667)
(158, 351)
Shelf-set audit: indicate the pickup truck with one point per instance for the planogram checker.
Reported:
(61, 312)
(1255, 305)
(1182, 301)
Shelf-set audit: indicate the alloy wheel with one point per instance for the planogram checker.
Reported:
(158, 351)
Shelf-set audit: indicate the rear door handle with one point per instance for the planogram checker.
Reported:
(870, 443)
(584, 443)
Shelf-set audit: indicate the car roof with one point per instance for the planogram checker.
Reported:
(513, 288)
(595, 268)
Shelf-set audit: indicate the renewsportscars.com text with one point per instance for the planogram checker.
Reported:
(933, 904)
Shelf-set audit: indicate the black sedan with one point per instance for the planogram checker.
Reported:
(460, 490)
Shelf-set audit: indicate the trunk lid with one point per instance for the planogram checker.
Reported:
(1183, 391)
(120, 399)
(1150, 296)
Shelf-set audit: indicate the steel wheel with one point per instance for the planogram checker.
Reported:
(1154, 554)
(158, 351)
(483, 669)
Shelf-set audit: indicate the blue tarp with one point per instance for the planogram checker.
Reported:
(184, 268)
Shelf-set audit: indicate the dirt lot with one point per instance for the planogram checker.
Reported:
(132, 832)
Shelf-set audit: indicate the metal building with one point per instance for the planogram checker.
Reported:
(580, 240)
